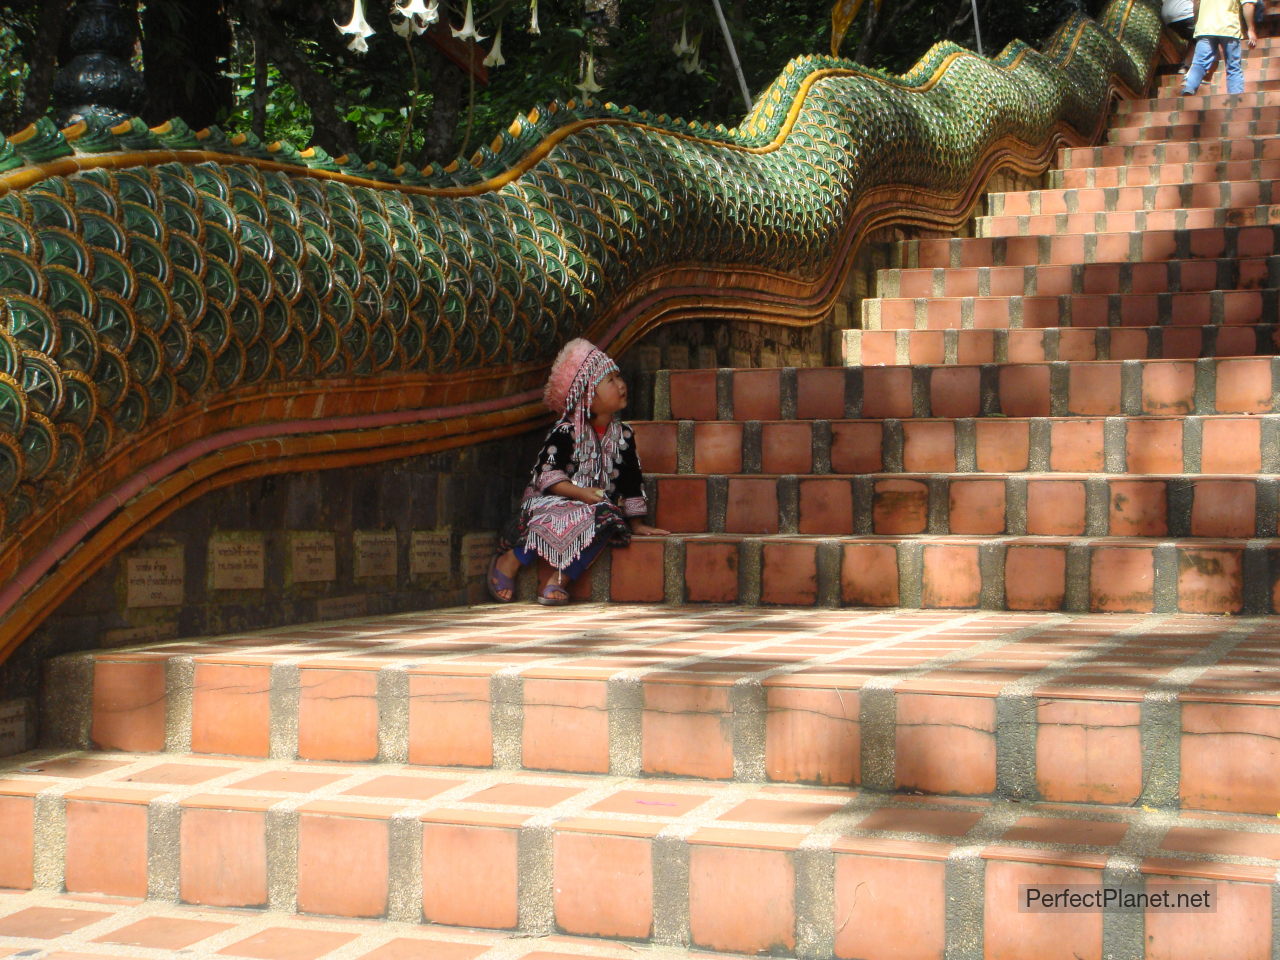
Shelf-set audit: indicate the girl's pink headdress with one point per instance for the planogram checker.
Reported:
(577, 370)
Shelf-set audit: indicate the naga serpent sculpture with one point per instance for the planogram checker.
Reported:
(181, 310)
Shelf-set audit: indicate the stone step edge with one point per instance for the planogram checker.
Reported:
(1174, 99)
(1181, 387)
(805, 880)
(888, 504)
(1214, 337)
(1234, 113)
(1262, 216)
(1103, 443)
(1168, 297)
(44, 923)
(906, 255)
(995, 198)
(1263, 271)
(1067, 155)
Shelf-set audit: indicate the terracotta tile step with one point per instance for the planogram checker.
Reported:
(61, 926)
(1147, 246)
(561, 866)
(1171, 98)
(1199, 172)
(1194, 131)
(1125, 221)
(1038, 345)
(1100, 388)
(1185, 151)
(932, 498)
(1169, 196)
(958, 572)
(1135, 320)
(1226, 273)
(1050, 706)
(1247, 444)
(1194, 113)
(1256, 79)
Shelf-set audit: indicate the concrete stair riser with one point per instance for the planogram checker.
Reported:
(941, 502)
(1146, 154)
(1188, 445)
(1224, 194)
(1147, 246)
(1121, 221)
(898, 343)
(1154, 277)
(1098, 388)
(862, 699)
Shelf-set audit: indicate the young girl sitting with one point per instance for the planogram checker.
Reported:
(586, 490)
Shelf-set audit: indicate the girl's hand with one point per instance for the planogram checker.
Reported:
(642, 529)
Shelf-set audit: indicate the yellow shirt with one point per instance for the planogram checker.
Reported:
(1219, 18)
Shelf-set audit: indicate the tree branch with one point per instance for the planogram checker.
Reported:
(330, 131)
(43, 60)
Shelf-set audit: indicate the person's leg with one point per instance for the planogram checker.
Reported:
(1235, 68)
(503, 570)
(1186, 30)
(550, 577)
(1200, 63)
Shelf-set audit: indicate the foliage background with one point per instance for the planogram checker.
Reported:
(280, 69)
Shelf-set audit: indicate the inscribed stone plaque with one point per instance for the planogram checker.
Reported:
(375, 553)
(237, 561)
(15, 727)
(340, 608)
(430, 554)
(477, 551)
(155, 579)
(314, 557)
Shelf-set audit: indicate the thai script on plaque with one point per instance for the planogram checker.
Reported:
(477, 551)
(237, 562)
(155, 580)
(314, 557)
(430, 554)
(375, 553)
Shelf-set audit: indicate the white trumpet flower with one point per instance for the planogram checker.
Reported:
(468, 31)
(495, 58)
(683, 48)
(588, 84)
(421, 15)
(691, 62)
(358, 28)
(533, 18)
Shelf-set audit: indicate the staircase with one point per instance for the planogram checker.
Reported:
(1054, 452)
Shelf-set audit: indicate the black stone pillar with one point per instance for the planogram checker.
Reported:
(99, 80)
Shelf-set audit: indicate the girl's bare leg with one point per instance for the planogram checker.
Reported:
(547, 574)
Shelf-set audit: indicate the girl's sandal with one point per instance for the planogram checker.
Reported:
(497, 581)
(554, 595)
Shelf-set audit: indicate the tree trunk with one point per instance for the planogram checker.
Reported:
(258, 122)
(185, 50)
(42, 58)
(448, 95)
(329, 130)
